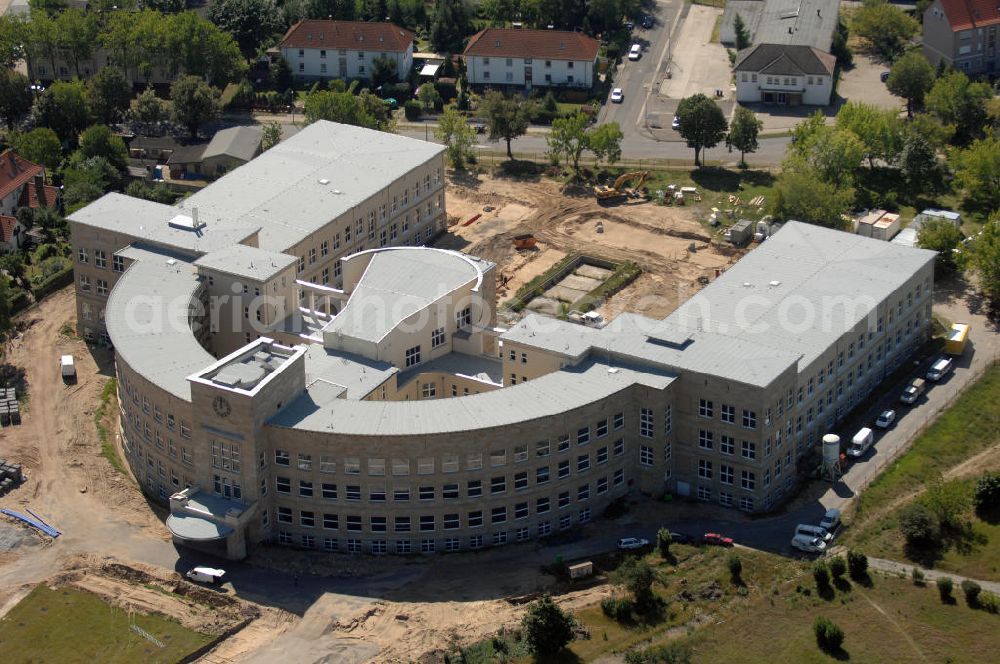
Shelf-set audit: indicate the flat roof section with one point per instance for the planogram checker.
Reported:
(246, 262)
(356, 376)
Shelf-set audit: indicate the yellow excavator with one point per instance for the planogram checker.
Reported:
(618, 190)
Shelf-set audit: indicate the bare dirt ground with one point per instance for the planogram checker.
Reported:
(568, 219)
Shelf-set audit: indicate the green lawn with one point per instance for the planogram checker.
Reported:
(70, 625)
(893, 621)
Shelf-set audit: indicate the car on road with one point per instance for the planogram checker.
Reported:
(676, 124)
(717, 539)
(913, 391)
(617, 95)
(635, 52)
(884, 76)
(939, 369)
(885, 419)
(632, 543)
(808, 544)
(831, 520)
(647, 22)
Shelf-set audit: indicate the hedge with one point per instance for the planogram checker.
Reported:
(53, 283)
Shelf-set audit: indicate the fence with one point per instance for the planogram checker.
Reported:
(495, 158)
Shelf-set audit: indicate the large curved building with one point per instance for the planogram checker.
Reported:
(386, 412)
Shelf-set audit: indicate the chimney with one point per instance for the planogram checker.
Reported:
(194, 216)
(789, 29)
(40, 190)
(818, 14)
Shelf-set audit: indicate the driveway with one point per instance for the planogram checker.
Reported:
(696, 64)
(863, 83)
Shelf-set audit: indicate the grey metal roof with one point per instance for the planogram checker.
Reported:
(812, 23)
(281, 191)
(542, 397)
(150, 222)
(237, 142)
(398, 283)
(353, 375)
(196, 528)
(813, 267)
(247, 262)
(785, 60)
(147, 319)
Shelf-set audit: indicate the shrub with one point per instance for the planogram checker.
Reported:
(987, 493)
(972, 591)
(829, 637)
(945, 586)
(637, 577)
(669, 653)
(838, 568)
(989, 602)
(617, 608)
(822, 575)
(917, 575)
(919, 525)
(547, 629)
(663, 542)
(857, 565)
(735, 569)
(413, 109)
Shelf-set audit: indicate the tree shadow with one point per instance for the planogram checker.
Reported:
(927, 554)
(826, 592)
(714, 178)
(843, 585)
(465, 178)
(864, 580)
(562, 657)
(839, 654)
(517, 169)
(990, 515)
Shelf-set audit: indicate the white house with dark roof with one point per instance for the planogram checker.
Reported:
(784, 74)
(529, 58)
(318, 50)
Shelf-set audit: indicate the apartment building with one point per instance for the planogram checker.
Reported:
(400, 419)
(524, 59)
(321, 50)
(962, 34)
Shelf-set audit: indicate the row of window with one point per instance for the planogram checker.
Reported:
(706, 408)
(101, 259)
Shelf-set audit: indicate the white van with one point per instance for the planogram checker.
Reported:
(939, 369)
(813, 531)
(808, 544)
(862, 440)
(67, 367)
(206, 575)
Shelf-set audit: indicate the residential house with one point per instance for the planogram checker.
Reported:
(22, 184)
(11, 234)
(321, 50)
(529, 58)
(963, 34)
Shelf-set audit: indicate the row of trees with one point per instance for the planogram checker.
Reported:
(703, 125)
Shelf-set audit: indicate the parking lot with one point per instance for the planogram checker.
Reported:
(697, 65)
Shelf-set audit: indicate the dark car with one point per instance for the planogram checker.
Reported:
(884, 76)
(680, 538)
(647, 22)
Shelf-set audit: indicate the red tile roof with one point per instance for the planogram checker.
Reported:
(29, 196)
(7, 227)
(15, 171)
(356, 35)
(969, 14)
(541, 44)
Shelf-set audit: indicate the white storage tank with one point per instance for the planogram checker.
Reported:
(831, 455)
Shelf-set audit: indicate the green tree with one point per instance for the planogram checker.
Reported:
(945, 586)
(636, 576)
(158, 193)
(86, 179)
(821, 574)
(430, 98)
(547, 628)
(801, 194)
(986, 496)
(884, 27)
(109, 94)
(949, 501)
(919, 166)
(977, 170)
(344, 107)
(702, 124)
(835, 154)
(956, 100)
(829, 637)
(919, 526)
(942, 236)
(457, 136)
(735, 569)
(742, 33)
(252, 23)
(148, 108)
(857, 565)
(838, 568)
(506, 117)
(663, 541)
(15, 96)
(383, 72)
(743, 131)
(63, 108)
(99, 141)
(193, 103)
(983, 258)
(270, 136)
(14, 34)
(197, 47)
(879, 130)
(42, 40)
(450, 25)
(605, 141)
(40, 145)
(568, 139)
(77, 32)
(667, 653)
(911, 78)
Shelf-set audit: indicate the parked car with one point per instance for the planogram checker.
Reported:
(830, 520)
(884, 76)
(913, 391)
(206, 575)
(813, 531)
(676, 123)
(861, 442)
(717, 539)
(617, 96)
(647, 22)
(808, 544)
(632, 543)
(885, 419)
(939, 369)
(680, 538)
(635, 52)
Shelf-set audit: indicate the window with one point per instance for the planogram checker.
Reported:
(620, 447)
(704, 469)
(748, 480)
(437, 337)
(646, 423)
(498, 458)
(329, 491)
(749, 450)
(84, 283)
(746, 503)
(583, 436)
(542, 475)
(726, 474)
(521, 511)
(117, 263)
(704, 493)
(413, 356)
(425, 465)
(728, 413)
(305, 489)
(475, 519)
(668, 420)
(563, 469)
(352, 466)
(401, 494)
(727, 445)
(602, 428)
(564, 499)
(353, 492)
(749, 419)
(583, 462)
(704, 408)
(450, 492)
(307, 519)
(100, 259)
(498, 484)
(705, 439)
(376, 494)
(563, 444)
(619, 421)
(425, 493)
(619, 477)
(521, 480)
(284, 515)
(602, 455)
(520, 453)
(426, 523)
(83, 255)
(282, 485)
(646, 455)
(463, 318)
(102, 287)
(330, 522)
(428, 390)
(474, 488)
(451, 522)
(498, 515)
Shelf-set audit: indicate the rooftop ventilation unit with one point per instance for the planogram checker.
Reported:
(324, 181)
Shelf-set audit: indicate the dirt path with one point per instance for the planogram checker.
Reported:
(899, 628)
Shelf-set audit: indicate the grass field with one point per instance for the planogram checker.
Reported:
(69, 625)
